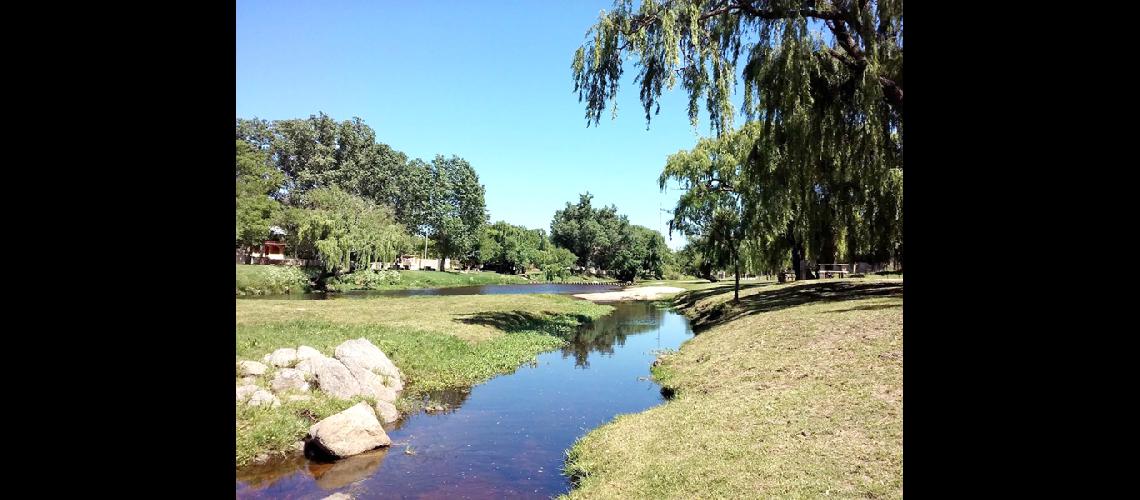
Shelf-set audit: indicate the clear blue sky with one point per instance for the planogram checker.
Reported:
(487, 80)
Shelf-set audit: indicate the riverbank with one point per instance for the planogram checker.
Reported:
(795, 391)
(270, 280)
(437, 342)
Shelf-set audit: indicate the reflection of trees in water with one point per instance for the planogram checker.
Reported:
(628, 318)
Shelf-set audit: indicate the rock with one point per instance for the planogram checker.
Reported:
(284, 357)
(245, 391)
(362, 353)
(299, 446)
(305, 352)
(263, 397)
(371, 384)
(250, 380)
(387, 412)
(338, 496)
(251, 368)
(334, 378)
(306, 366)
(350, 432)
(288, 379)
(261, 458)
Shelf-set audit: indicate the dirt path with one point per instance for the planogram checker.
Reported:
(639, 293)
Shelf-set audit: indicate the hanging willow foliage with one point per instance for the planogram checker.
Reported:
(344, 229)
(824, 78)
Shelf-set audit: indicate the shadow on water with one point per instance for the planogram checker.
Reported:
(506, 437)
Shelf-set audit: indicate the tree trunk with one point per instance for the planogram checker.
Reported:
(797, 259)
(736, 264)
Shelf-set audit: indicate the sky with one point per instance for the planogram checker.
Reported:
(487, 80)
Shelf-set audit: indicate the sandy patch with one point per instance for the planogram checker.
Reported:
(640, 293)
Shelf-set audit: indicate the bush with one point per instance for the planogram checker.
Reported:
(269, 279)
(364, 279)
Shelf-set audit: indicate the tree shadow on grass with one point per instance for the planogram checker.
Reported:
(783, 298)
(687, 300)
(519, 321)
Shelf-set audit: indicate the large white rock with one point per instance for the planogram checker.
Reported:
(262, 397)
(245, 391)
(361, 352)
(288, 379)
(305, 366)
(350, 432)
(305, 352)
(387, 412)
(284, 357)
(371, 384)
(334, 378)
(251, 368)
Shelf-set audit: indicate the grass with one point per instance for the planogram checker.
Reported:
(268, 279)
(438, 342)
(796, 391)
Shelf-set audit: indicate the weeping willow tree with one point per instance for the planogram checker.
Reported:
(345, 231)
(822, 78)
(714, 206)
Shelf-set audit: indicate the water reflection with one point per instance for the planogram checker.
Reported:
(611, 330)
(279, 477)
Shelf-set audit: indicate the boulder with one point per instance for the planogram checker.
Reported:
(350, 432)
(371, 384)
(334, 378)
(288, 379)
(305, 352)
(251, 368)
(306, 366)
(249, 380)
(361, 353)
(387, 412)
(263, 397)
(338, 496)
(245, 391)
(284, 357)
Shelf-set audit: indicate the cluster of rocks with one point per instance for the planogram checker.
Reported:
(357, 368)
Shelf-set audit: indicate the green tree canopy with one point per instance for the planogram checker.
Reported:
(824, 78)
(257, 180)
(343, 230)
(512, 249)
(594, 235)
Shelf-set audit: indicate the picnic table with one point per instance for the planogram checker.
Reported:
(834, 270)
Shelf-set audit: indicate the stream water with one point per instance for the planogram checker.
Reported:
(506, 437)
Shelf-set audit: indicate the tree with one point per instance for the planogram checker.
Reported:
(256, 181)
(343, 230)
(829, 157)
(714, 204)
(456, 208)
(512, 249)
(555, 262)
(591, 234)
